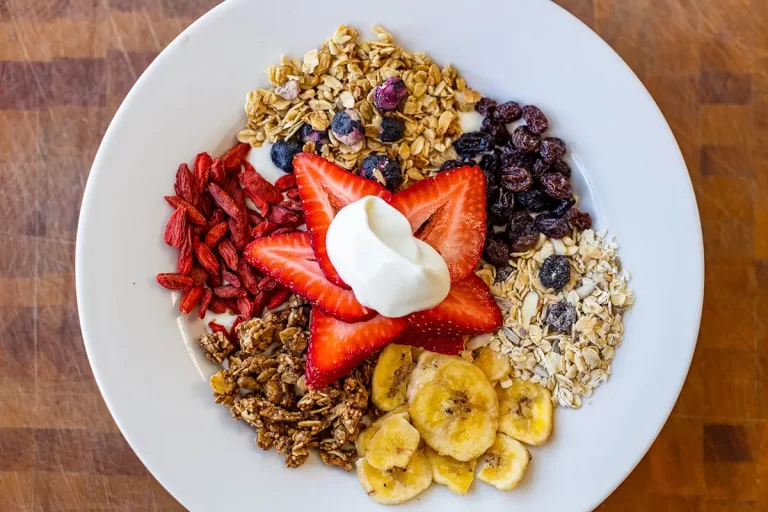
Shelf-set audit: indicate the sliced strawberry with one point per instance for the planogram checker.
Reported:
(335, 347)
(325, 188)
(448, 212)
(289, 259)
(469, 308)
(442, 345)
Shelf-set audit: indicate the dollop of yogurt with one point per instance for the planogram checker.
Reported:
(372, 248)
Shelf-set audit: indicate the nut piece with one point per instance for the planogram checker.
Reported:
(216, 346)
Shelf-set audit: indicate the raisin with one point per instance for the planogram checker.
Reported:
(561, 316)
(556, 185)
(533, 200)
(560, 206)
(501, 205)
(562, 168)
(496, 130)
(525, 140)
(535, 119)
(521, 232)
(496, 252)
(485, 106)
(508, 112)
(491, 162)
(473, 144)
(579, 220)
(503, 273)
(516, 179)
(555, 272)
(514, 157)
(552, 149)
(452, 164)
(540, 167)
(552, 225)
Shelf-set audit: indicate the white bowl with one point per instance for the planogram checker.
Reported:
(629, 168)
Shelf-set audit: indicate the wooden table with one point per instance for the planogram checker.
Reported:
(65, 66)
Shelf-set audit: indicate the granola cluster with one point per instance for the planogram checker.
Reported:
(571, 364)
(263, 385)
(342, 74)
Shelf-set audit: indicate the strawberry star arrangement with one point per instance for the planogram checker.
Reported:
(447, 212)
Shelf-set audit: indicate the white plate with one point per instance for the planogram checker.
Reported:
(190, 99)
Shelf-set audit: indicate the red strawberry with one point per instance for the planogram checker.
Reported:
(448, 212)
(290, 260)
(326, 188)
(335, 347)
(448, 345)
(469, 308)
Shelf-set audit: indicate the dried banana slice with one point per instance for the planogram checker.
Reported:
(393, 445)
(361, 443)
(456, 475)
(396, 485)
(525, 412)
(504, 463)
(390, 377)
(496, 366)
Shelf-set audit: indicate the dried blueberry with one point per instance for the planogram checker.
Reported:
(516, 179)
(496, 252)
(391, 129)
(555, 272)
(309, 134)
(496, 130)
(535, 119)
(473, 144)
(347, 126)
(556, 185)
(579, 220)
(282, 154)
(508, 112)
(521, 232)
(552, 225)
(525, 140)
(503, 273)
(388, 94)
(382, 169)
(501, 204)
(552, 149)
(561, 316)
(485, 106)
(452, 164)
(562, 168)
(533, 200)
(560, 206)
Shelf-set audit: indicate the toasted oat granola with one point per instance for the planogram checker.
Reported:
(263, 385)
(342, 74)
(571, 364)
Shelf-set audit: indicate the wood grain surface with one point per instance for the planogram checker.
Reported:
(65, 66)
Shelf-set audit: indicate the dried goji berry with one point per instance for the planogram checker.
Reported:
(174, 281)
(193, 214)
(217, 305)
(254, 218)
(260, 203)
(218, 174)
(229, 253)
(292, 204)
(246, 307)
(247, 276)
(206, 204)
(278, 297)
(286, 182)
(263, 229)
(214, 327)
(224, 200)
(293, 193)
(284, 231)
(232, 306)
(215, 280)
(228, 291)
(205, 256)
(259, 301)
(216, 233)
(202, 170)
(238, 229)
(233, 158)
(190, 299)
(205, 301)
(233, 330)
(255, 184)
(184, 263)
(198, 275)
(284, 217)
(185, 186)
(267, 284)
(176, 229)
(231, 278)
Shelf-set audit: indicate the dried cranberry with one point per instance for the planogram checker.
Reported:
(521, 232)
(552, 225)
(485, 106)
(552, 149)
(516, 179)
(562, 168)
(473, 144)
(525, 140)
(501, 204)
(452, 164)
(535, 119)
(560, 206)
(555, 272)
(391, 129)
(508, 112)
(556, 185)
(533, 200)
(388, 94)
(579, 220)
(561, 316)
(496, 252)
(496, 130)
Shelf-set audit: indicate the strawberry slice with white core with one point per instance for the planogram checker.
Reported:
(336, 347)
(290, 260)
(448, 212)
(469, 309)
(325, 188)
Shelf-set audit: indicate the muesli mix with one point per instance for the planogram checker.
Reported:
(533, 299)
